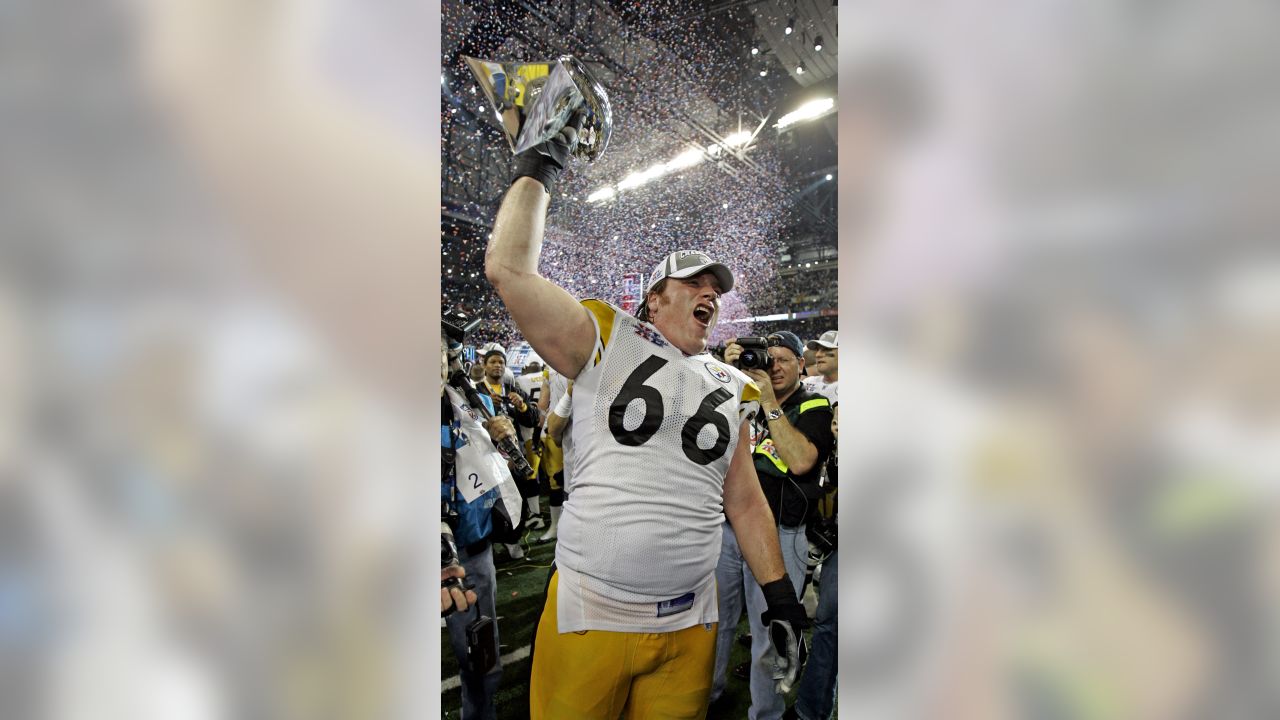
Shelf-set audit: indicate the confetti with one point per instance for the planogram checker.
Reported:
(674, 82)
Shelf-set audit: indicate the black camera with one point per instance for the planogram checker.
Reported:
(755, 354)
(456, 325)
(823, 536)
(482, 645)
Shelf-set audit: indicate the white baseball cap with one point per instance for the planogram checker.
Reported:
(827, 340)
(489, 348)
(687, 263)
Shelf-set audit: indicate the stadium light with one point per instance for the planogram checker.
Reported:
(603, 193)
(688, 158)
(636, 179)
(808, 111)
(800, 68)
(817, 44)
(791, 26)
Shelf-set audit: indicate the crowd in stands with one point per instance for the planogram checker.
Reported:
(805, 328)
(464, 287)
(797, 292)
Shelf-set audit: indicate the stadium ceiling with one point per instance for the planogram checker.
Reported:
(703, 46)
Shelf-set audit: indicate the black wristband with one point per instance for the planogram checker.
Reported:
(534, 164)
(779, 593)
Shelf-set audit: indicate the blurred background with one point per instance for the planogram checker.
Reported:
(1047, 238)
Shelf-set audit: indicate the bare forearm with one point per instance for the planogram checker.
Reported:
(556, 426)
(544, 398)
(757, 538)
(793, 447)
(748, 512)
(517, 232)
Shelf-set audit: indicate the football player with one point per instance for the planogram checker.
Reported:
(661, 457)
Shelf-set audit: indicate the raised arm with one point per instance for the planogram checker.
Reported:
(549, 318)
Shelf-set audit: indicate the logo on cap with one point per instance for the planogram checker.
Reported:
(689, 258)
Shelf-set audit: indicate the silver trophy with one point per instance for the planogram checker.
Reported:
(532, 101)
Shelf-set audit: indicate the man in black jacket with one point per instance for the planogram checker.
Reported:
(508, 398)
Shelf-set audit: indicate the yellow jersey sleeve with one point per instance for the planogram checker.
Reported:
(602, 314)
(750, 401)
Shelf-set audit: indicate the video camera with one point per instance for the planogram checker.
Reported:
(456, 325)
(755, 354)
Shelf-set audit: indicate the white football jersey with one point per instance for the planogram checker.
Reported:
(653, 433)
(531, 385)
(557, 386)
(818, 384)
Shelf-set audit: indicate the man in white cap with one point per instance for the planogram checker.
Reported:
(660, 431)
(827, 363)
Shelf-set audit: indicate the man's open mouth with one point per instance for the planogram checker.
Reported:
(704, 313)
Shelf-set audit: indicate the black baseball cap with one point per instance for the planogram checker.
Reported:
(788, 340)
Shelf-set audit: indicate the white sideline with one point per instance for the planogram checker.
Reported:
(514, 655)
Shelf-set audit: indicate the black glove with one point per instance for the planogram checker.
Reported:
(786, 621)
(544, 162)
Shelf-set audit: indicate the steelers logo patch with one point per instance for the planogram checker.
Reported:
(718, 372)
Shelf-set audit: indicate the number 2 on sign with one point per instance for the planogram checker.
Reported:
(475, 480)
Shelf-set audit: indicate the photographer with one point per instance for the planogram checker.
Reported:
(792, 439)
(509, 400)
(478, 511)
(816, 697)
